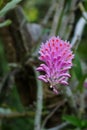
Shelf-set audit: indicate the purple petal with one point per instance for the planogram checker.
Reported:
(64, 74)
(39, 69)
(64, 82)
(55, 91)
(43, 78)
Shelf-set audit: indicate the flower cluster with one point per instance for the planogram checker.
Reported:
(57, 58)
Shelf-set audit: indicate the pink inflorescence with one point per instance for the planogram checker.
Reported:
(57, 58)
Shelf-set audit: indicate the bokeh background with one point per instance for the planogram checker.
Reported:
(25, 102)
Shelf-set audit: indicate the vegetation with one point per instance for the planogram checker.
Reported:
(27, 103)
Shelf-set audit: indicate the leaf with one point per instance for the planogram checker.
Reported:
(5, 23)
(73, 120)
(77, 67)
(80, 85)
(9, 6)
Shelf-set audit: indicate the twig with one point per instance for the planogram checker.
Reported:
(51, 114)
(16, 115)
(59, 127)
(38, 104)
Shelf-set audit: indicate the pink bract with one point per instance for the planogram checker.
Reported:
(56, 56)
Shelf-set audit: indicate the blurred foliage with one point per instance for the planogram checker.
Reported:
(80, 86)
(10, 5)
(3, 62)
(82, 47)
(18, 124)
(34, 10)
(77, 122)
(5, 7)
(5, 23)
(85, 4)
(13, 102)
(32, 14)
(3, 3)
(77, 67)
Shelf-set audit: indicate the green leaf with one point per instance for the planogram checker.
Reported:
(73, 120)
(77, 67)
(80, 86)
(9, 6)
(5, 23)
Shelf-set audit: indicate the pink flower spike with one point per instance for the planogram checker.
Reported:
(57, 58)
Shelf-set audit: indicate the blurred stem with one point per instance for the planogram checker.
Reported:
(70, 97)
(78, 31)
(81, 7)
(37, 124)
(49, 13)
(3, 63)
(13, 115)
(67, 19)
(58, 11)
(5, 23)
(60, 127)
(3, 3)
(82, 104)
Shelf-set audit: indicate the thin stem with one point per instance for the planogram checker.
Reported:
(37, 124)
(60, 127)
(70, 98)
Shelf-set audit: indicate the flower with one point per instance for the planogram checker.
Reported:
(57, 58)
